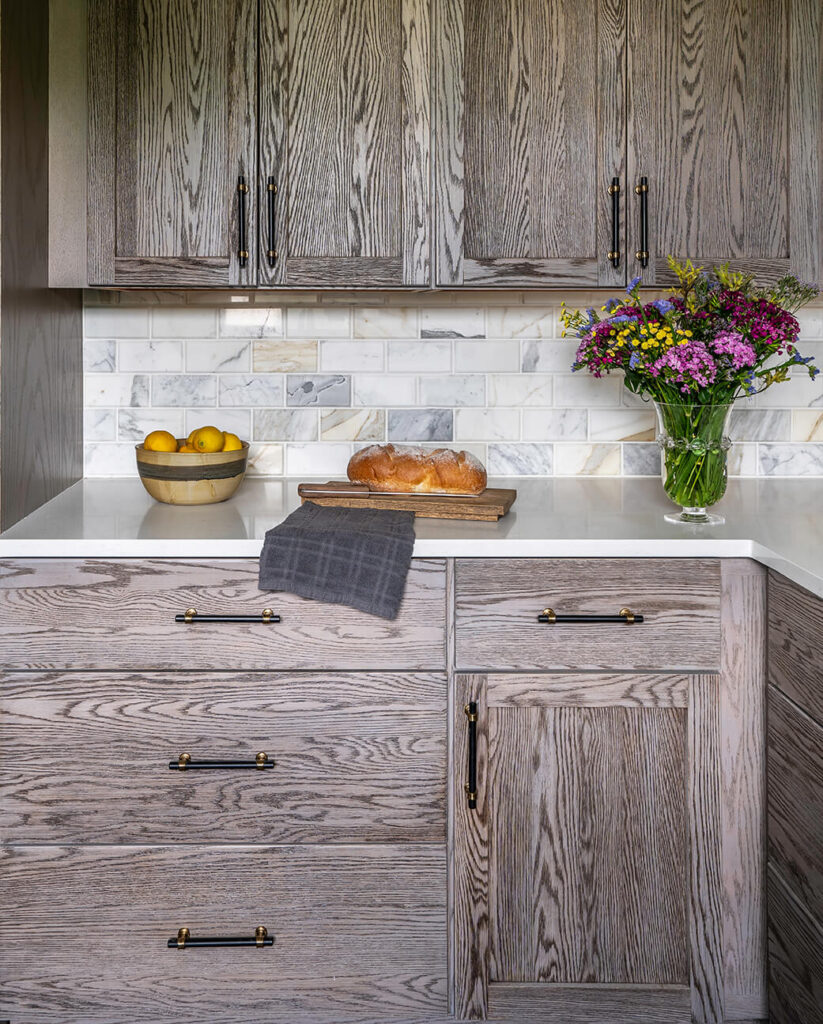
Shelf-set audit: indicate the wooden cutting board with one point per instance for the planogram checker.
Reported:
(487, 506)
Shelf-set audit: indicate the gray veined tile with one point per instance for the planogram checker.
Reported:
(183, 389)
(353, 425)
(452, 323)
(760, 425)
(248, 389)
(285, 425)
(255, 322)
(455, 390)
(421, 425)
(791, 459)
(555, 424)
(332, 390)
(520, 459)
(99, 424)
(99, 355)
(641, 459)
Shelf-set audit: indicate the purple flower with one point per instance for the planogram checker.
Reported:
(731, 343)
(635, 281)
(663, 305)
(691, 366)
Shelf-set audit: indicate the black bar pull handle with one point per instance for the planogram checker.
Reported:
(267, 617)
(642, 254)
(242, 242)
(625, 615)
(271, 192)
(185, 763)
(184, 940)
(614, 192)
(471, 785)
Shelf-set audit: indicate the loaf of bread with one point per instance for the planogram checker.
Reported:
(386, 467)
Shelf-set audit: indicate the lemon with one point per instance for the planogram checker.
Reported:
(208, 439)
(232, 442)
(187, 449)
(160, 441)
(191, 435)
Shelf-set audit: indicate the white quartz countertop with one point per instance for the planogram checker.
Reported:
(777, 522)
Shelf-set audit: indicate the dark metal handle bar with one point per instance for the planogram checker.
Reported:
(184, 763)
(271, 192)
(242, 243)
(625, 615)
(642, 253)
(190, 615)
(614, 192)
(471, 785)
(185, 941)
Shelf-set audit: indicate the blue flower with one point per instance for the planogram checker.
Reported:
(797, 358)
(635, 359)
(612, 304)
(663, 305)
(635, 281)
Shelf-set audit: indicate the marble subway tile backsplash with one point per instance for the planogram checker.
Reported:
(309, 384)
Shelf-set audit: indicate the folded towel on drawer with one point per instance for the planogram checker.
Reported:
(358, 557)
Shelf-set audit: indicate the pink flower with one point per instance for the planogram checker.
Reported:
(731, 343)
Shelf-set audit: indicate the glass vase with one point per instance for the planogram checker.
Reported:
(694, 447)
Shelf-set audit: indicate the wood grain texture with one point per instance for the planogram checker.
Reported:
(796, 799)
(488, 506)
(470, 878)
(172, 124)
(358, 758)
(569, 689)
(448, 75)
(722, 103)
(795, 650)
(795, 957)
(589, 1004)
(358, 932)
(743, 760)
(587, 835)
(498, 601)
(63, 613)
(41, 393)
(705, 837)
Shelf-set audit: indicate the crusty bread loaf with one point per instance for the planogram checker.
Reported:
(386, 467)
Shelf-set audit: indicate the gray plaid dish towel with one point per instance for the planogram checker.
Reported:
(359, 557)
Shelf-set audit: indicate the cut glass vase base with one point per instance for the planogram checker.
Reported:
(695, 517)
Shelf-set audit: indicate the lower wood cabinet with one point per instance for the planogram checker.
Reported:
(359, 934)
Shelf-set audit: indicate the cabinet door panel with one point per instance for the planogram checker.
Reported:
(530, 130)
(172, 94)
(724, 121)
(344, 134)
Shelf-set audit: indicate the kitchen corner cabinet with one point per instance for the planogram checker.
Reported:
(336, 195)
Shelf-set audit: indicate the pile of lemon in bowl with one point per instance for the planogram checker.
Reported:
(203, 439)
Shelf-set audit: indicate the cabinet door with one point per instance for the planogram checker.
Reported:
(344, 143)
(724, 123)
(530, 131)
(172, 97)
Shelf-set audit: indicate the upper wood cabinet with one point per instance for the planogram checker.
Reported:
(530, 132)
(344, 138)
(172, 129)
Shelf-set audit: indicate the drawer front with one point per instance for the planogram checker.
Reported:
(359, 934)
(796, 644)
(498, 602)
(60, 613)
(795, 956)
(84, 757)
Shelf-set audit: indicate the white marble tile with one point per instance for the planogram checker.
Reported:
(587, 459)
(147, 356)
(384, 322)
(555, 424)
(742, 459)
(520, 322)
(487, 425)
(256, 322)
(807, 425)
(445, 322)
(791, 459)
(116, 389)
(520, 459)
(457, 390)
(487, 356)
(183, 322)
(99, 355)
(811, 323)
(760, 424)
(235, 421)
(319, 323)
(99, 424)
(414, 356)
(520, 389)
(622, 425)
(285, 425)
(224, 356)
(641, 459)
(421, 425)
(353, 425)
(318, 460)
(547, 356)
(581, 389)
(248, 389)
(352, 356)
(106, 459)
(384, 390)
(183, 389)
(331, 390)
(269, 356)
(115, 322)
(796, 393)
(265, 460)
(134, 424)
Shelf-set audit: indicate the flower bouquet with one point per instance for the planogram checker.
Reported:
(717, 336)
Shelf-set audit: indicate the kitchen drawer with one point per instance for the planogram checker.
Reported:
(84, 757)
(498, 602)
(359, 934)
(94, 614)
(796, 644)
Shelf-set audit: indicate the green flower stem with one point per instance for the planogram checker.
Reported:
(694, 456)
